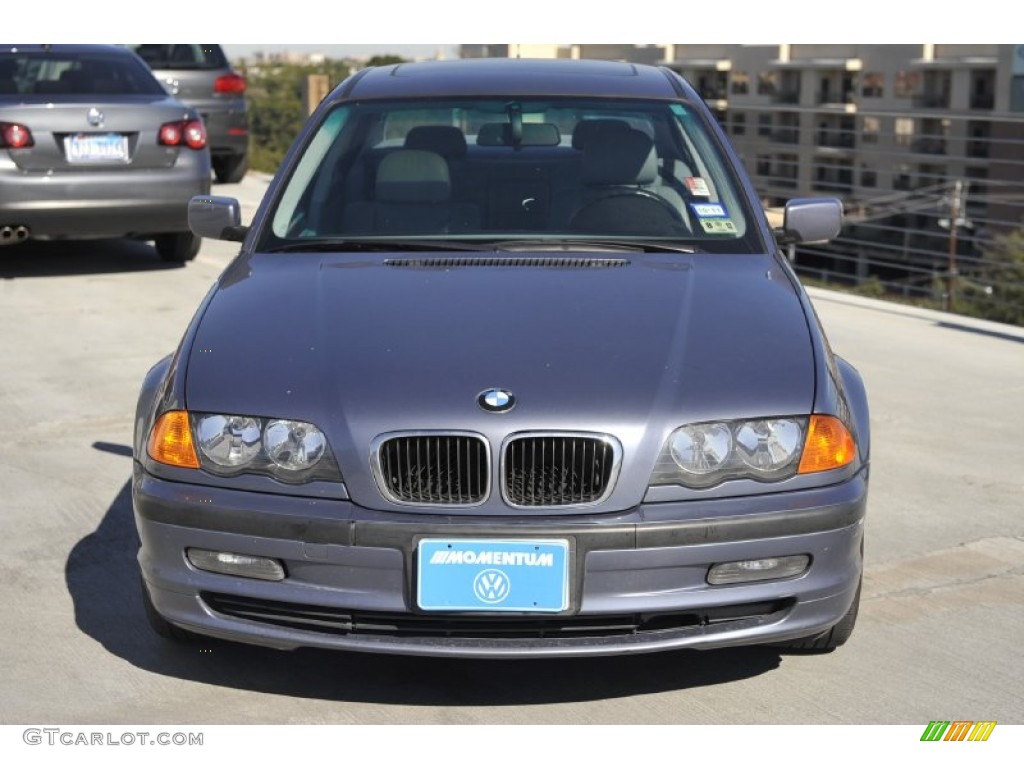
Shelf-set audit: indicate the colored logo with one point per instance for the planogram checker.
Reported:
(491, 586)
(496, 400)
(958, 730)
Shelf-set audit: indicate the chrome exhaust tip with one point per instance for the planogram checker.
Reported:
(14, 234)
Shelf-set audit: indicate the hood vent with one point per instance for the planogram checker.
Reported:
(507, 261)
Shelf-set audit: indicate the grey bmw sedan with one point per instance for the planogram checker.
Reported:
(509, 364)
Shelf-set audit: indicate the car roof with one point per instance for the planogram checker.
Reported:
(514, 77)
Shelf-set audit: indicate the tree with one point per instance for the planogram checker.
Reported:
(384, 60)
(993, 288)
(276, 109)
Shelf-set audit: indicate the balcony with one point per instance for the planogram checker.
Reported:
(928, 146)
(835, 97)
(782, 182)
(832, 186)
(979, 149)
(713, 93)
(983, 101)
(786, 136)
(932, 101)
(836, 140)
(786, 97)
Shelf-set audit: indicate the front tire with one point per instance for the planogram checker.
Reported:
(177, 247)
(830, 639)
(159, 624)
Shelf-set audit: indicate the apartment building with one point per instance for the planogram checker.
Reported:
(888, 128)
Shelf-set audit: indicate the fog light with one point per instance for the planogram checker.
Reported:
(758, 570)
(229, 563)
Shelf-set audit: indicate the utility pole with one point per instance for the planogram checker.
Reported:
(956, 202)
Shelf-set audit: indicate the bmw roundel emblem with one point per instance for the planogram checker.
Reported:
(496, 400)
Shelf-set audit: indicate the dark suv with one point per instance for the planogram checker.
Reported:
(201, 76)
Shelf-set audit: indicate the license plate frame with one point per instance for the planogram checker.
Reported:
(493, 575)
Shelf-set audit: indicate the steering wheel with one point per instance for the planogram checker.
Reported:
(630, 212)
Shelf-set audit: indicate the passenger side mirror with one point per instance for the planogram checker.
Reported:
(810, 220)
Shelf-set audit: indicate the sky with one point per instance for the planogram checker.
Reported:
(420, 27)
(339, 51)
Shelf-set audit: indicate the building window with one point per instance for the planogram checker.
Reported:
(868, 176)
(873, 85)
(906, 84)
(786, 170)
(764, 165)
(767, 83)
(904, 130)
(870, 129)
(740, 82)
(1017, 93)
(901, 179)
(739, 123)
(764, 124)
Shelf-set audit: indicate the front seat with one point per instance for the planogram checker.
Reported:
(412, 195)
(621, 193)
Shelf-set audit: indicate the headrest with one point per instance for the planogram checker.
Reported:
(619, 158)
(413, 176)
(446, 140)
(534, 135)
(585, 129)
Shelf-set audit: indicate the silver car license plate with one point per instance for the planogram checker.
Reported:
(96, 148)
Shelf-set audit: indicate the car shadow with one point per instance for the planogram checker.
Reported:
(102, 578)
(79, 257)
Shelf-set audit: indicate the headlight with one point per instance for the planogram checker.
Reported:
(229, 445)
(701, 449)
(703, 455)
(228, 441)
(768, 445)
(293, 445)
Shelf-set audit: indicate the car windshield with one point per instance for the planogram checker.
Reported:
(181, 55)
(492, 170)
(51, 73)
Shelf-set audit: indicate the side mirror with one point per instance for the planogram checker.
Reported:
(810, 220)
(219, 218)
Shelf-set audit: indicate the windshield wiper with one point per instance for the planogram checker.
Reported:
(397, 245)
(375, 244)
(572, 244)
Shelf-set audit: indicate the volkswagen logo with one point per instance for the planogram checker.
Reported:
(496, 400)
(491, 586)
(95, 117)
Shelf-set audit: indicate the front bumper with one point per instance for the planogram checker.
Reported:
(636, 586)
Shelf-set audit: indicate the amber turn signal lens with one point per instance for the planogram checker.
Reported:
(170, 442)
(829, 445)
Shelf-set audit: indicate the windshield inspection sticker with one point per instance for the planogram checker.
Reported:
(718, 226)
(709, 210)
(697, 186)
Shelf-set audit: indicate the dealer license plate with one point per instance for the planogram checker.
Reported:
(96, 148)
(493, 575)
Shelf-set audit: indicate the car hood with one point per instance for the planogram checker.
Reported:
(375, 343)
